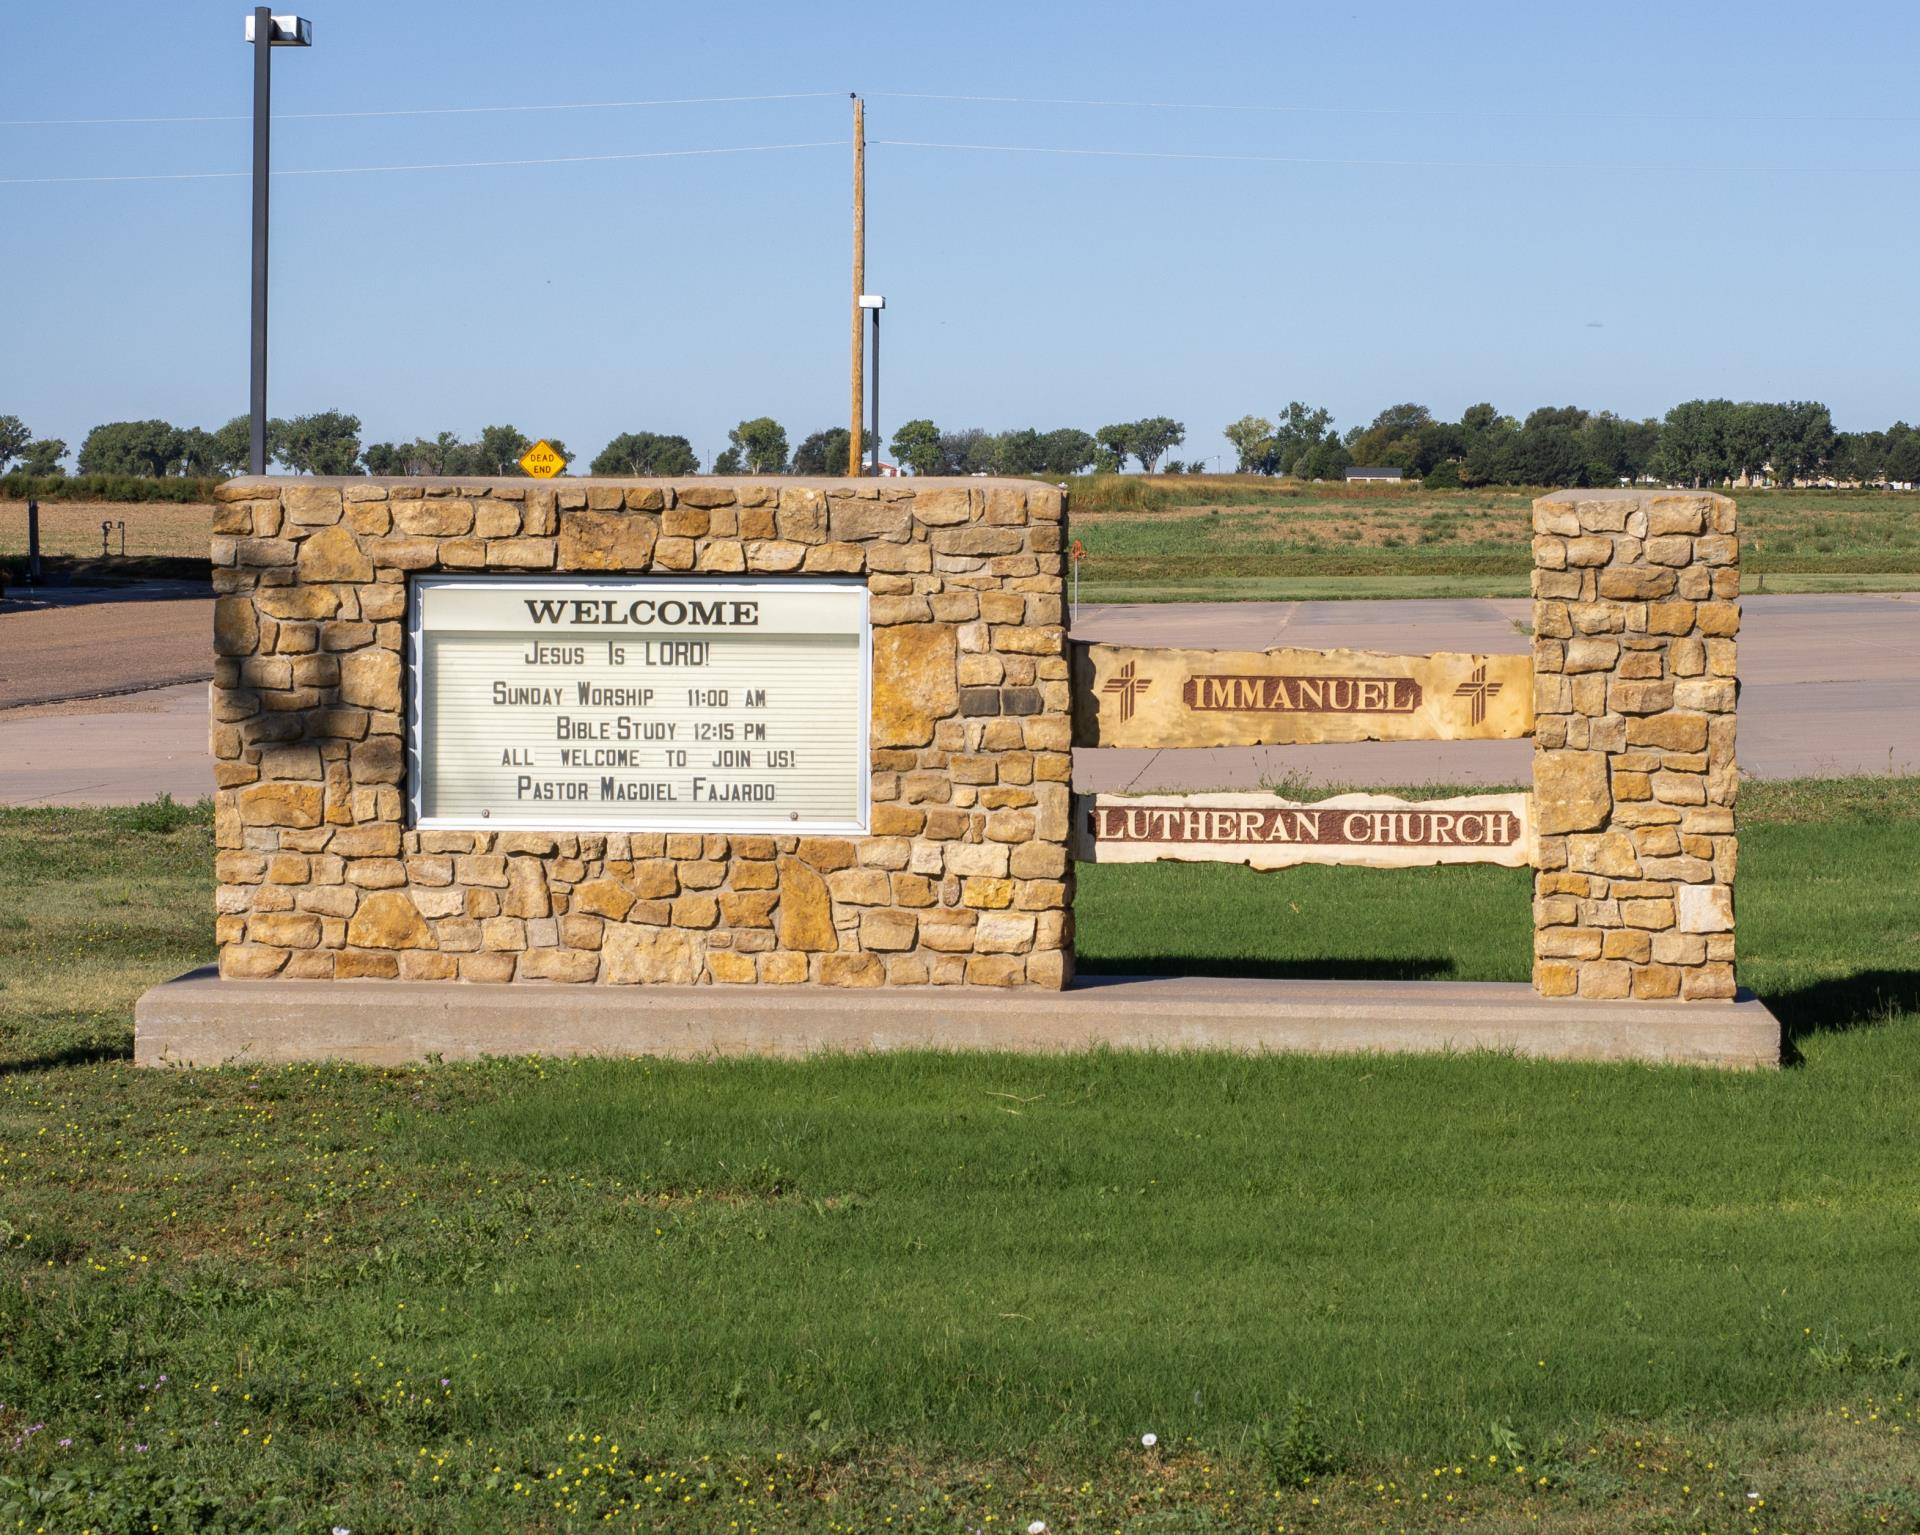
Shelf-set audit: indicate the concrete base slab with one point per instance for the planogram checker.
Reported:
(201, 1020)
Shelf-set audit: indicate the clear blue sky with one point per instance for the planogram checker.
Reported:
(1618, 206)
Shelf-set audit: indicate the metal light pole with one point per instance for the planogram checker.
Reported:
(874, 303)
(265, 31)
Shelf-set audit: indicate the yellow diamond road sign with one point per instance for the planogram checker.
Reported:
(541, 461)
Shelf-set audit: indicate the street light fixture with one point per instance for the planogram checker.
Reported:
(874, 303)
(265, 32)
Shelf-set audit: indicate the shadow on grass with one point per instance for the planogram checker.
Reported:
(74, 1055)
(1863, 1000)
(1402, 968)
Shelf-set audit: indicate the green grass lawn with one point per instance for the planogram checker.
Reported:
(1240, 538)
(952, 1292)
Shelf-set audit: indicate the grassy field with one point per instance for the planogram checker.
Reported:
(161, 540)
(1226, 538)
(952, 1293)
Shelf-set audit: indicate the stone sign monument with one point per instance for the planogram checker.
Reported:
(681, 732)
(699, 736)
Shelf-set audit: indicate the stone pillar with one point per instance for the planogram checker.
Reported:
(1634, 617)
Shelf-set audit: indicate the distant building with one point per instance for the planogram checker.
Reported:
(1359, 472)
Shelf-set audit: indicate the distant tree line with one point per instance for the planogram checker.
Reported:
(1698, 443)
(925, 449)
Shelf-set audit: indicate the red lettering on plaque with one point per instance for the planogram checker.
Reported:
(1302, 695)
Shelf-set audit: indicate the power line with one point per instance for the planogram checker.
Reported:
(445, 165)
(281, 117)
(1461, 165)
(1369, 111)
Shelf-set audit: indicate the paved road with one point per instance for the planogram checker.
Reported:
(1831, 686)
(76, 642)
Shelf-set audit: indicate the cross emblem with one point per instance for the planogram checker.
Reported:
(1479, 690)
(1129, 688)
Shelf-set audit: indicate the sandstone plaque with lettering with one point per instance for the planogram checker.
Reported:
(1371, 830)
(1145, 696)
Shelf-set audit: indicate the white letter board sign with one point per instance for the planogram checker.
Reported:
(638, 704)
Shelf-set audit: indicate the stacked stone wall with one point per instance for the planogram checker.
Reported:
(963, 880)
(1634, 620)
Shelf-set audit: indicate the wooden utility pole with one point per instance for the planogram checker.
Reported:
(859, 274)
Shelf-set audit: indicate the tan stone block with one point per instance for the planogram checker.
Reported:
(996, 970)
(436, 518)
(852, 970)
(607, 540)
(1656, 841)
(574, 965)
(1669, 550)
(504, 933)
(783, 968)
(1704, 908)
(1555, 978)
(1570, 790)
(987, 894)
(603, 898)
(333, 554)
(527, 894)
(860, 887)
(260, 553)
(521, 554)
(1709, 982)
(981, 858)
(388, 919)
(631, 955)
(1627, 943)
(371, 679)
(826, 853)
(1679, 948)
(495, 519)
(281, 804)
(1686, 871)
(1640, 697)
(1610, 853)
(1718, 619)
(914, 682)
(1679, 788)
(729, 968)
(242, 962)
(748, 908)
(836, 559)
(1605, 979)
(1710, 695)
(695, 911)
(1635, 583)
(1004, 933)
(376, 873)
(806, 910)
(888, 930)
(1671, 732)
(487, 969)
(947, 930)
(286, 930)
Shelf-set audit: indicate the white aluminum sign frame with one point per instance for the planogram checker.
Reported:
(651, 586)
